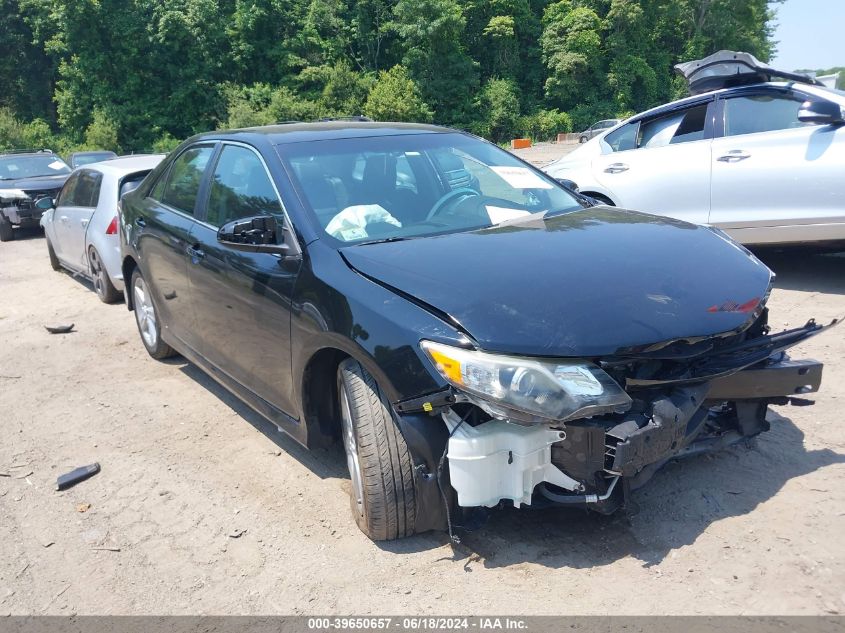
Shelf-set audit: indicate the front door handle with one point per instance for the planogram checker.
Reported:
(196, 253)
(734, 156)
(63, 219)
(140, 222)
(616, 168)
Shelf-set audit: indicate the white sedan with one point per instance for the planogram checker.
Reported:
(762, 160)
(81, 230)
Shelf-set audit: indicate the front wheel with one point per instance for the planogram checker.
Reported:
(583, 139)
(51, 253)
(146, 317)
(7, 231)
(380, 466)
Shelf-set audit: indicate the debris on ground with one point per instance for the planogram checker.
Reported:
(75, 476)
(83, 507)
(237, 533)
(59, 329)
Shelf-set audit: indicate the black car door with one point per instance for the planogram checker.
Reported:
(242, 299)
(165, 223)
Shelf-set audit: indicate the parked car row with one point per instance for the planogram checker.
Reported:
(761, 159)
(27, 176)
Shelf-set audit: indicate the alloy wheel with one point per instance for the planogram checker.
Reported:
(350, 445)
(145, 313)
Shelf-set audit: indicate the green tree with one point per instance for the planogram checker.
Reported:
(396, 97)
(431, 33)
(499, 103)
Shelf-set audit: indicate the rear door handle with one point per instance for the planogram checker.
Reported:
(734, 156)
(616, 168)
(84, 221)
(196, 253)
(63, 218)
(140, 222)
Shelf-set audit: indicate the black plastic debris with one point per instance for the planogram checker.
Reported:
(59, 329)
(75, 476)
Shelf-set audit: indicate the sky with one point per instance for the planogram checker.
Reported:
(809, 34)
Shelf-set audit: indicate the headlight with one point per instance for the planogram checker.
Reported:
(549, 389)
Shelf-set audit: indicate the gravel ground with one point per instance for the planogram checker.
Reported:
(201, 508)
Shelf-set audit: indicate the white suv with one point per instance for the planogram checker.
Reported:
(762, 160)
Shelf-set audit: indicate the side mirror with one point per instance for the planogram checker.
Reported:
(821, 112)
(258, 234)
(568, 184)
(45, 204)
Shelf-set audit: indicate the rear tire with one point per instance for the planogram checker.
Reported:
(380, 467)
(54, 261)
(147, 320)
(583, 139)
(7, 232)
(102, 282)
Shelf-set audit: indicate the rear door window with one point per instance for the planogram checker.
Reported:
(183, 183)
(679, 127)
(624, 138)
(82, 189)
(761, 113)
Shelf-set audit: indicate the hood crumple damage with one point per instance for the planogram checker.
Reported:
(596, 282)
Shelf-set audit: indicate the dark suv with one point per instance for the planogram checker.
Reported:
(469, 330)
(26, 177)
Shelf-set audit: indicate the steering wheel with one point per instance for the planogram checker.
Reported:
(448, 197)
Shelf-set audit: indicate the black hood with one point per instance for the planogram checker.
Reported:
(595, 282)
(36, 183)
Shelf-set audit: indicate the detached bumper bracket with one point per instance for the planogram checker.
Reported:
(777, 379)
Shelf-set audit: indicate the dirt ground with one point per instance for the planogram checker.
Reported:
(201, 508)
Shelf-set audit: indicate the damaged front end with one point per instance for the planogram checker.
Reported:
(585, 432)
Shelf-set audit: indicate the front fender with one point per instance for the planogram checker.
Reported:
(334, 307)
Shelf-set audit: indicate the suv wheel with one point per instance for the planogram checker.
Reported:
(100, 276)
(380, 466)
(146, 317)
(7, 233)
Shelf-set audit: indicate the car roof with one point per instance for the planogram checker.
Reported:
(325, 130)
(95, 152)
(709, 96)
(126, 164)
(6, 154)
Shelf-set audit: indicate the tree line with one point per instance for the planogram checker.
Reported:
(140, 74)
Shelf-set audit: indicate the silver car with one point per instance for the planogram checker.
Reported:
(81, 224)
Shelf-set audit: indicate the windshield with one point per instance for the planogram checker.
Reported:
(403, 186)
(14, 167)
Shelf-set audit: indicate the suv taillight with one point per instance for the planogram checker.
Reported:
(112, 228)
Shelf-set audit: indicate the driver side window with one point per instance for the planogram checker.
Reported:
(240, 188)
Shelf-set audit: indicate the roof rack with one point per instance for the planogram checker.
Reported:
(355, 117)
(27, 151)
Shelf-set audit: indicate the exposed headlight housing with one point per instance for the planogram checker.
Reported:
(526, 389)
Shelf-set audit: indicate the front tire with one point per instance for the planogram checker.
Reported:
(147, 319)
(7, 231)
(102, 282)
(51, 253)
(380, 466)
(583, 139)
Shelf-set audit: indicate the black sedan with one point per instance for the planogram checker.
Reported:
(468, 329)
